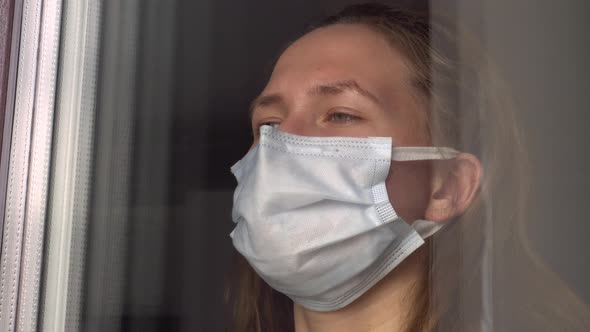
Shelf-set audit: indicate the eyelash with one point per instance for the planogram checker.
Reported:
(349, 117)
(269, 123)
(256, 129)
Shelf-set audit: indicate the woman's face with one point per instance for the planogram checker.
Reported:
(347, 80)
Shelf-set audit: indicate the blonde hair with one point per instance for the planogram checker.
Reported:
(468, 111)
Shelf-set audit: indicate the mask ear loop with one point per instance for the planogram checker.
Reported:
(413, 153)
(425, 228)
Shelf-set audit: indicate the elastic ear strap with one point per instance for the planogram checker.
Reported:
(426, 228)
(410, 153)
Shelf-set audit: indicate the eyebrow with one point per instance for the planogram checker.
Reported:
(333, 88)
(339, 87)
(266, 100)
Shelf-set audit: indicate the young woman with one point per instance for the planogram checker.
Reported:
(370, 201)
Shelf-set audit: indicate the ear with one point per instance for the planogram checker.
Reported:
(455, 184)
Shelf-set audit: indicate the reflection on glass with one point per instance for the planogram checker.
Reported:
(402, 167)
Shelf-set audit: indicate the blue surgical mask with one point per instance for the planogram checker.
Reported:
(314, 218)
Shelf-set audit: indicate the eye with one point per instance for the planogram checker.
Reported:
(273, 124)
(340, 117)
(256, 126)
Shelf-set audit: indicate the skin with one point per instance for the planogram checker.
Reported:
(347, 80)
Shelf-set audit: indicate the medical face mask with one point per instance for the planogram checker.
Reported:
(314, 218)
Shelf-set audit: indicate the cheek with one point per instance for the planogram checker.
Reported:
(408, 187)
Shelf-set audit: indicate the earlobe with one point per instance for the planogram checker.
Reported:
(455, 184)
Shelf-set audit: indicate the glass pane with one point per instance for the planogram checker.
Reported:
(160, 97)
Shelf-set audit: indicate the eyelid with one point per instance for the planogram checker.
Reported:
(256, 126)
(268, 123)
(272, 120)
(344, 110)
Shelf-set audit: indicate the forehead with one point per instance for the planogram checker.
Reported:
(342, 51)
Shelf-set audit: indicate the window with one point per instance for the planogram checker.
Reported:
(122, 120)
